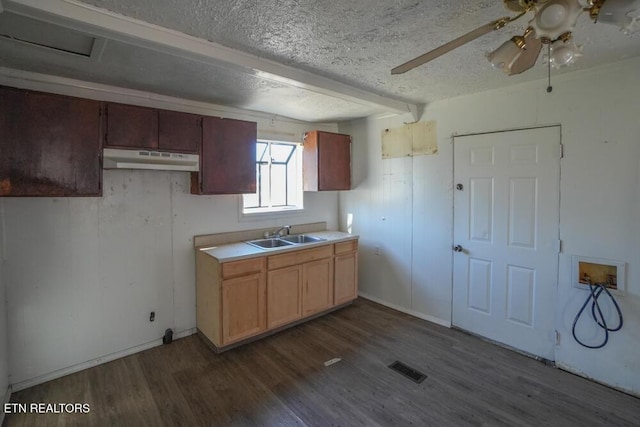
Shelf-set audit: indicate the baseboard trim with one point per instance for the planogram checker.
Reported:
(413, 313)
(573, 371)
(95, 362)
(7, 399)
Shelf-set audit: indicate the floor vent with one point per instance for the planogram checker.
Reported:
(407, 371)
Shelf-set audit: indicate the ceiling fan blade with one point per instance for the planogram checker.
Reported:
(447, 47)
(529, 56)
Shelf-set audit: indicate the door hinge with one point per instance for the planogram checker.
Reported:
(559, 246)
(557, 338)
(561, 151)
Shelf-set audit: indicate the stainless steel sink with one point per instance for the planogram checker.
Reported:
(269, 243)
(302, 238)
(278, 242)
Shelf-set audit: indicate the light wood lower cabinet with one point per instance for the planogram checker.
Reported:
(346, 277)
(242, 299)
(317, 292)
(243, 307)
(284, 296)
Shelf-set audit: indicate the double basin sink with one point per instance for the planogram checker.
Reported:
(278, 242)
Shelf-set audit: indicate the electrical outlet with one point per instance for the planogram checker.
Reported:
(378, 250)
(152, 316)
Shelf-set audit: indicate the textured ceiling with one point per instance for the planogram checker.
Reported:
(359, 41)
(352, 41)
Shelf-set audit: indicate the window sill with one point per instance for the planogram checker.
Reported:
(268, 213)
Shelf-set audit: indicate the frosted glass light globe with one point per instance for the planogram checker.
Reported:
(562, 55)
(555, 17)
(624, 13)
(503, 57)
(552, 17)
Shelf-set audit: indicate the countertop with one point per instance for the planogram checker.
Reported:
(242, 250)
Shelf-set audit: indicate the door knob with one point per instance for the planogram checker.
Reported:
(457, 248)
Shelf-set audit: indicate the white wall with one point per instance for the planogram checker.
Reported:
(600, 207)
(4, 342)
(83, 274)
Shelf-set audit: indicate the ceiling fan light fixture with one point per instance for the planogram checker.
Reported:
(503, 57)
(552, 24)
(556, 17)
(623, 13)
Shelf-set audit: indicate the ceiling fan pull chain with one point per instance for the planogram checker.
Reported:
(549, 87)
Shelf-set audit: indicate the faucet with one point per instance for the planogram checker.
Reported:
(276, 233)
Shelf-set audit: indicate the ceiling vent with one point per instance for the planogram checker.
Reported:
(43, 34)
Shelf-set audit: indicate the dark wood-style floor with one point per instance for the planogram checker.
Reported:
(282, 380)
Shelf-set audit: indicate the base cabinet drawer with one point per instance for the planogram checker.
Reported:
(299, 257)
(243, 267)
(344, 247)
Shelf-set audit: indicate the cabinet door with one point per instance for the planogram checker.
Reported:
(317, 289)
(243, 307)
(326, 161)
(284, 296)
(179, 132)
(227, 158)
(346, 278)
(130, 126)
(50, 144)
(334, 162)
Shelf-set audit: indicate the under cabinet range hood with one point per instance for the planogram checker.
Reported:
(145, 159)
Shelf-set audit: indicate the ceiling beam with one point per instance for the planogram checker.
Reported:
(101, 22)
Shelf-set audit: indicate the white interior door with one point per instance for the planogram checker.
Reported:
(506, 229)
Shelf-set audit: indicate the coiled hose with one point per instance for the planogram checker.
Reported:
(595, 290)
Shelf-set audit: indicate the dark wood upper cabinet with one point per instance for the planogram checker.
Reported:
(134, 127)
(179, 132)
(227, 157)
(130, 126)
(326, 161)
(49, 144)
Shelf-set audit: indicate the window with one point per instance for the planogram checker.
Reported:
(279, 175)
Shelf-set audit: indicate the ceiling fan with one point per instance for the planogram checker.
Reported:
(552, 23)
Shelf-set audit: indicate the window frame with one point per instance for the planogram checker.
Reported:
(276, 210)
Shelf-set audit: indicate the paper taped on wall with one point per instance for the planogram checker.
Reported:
(413, 139)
